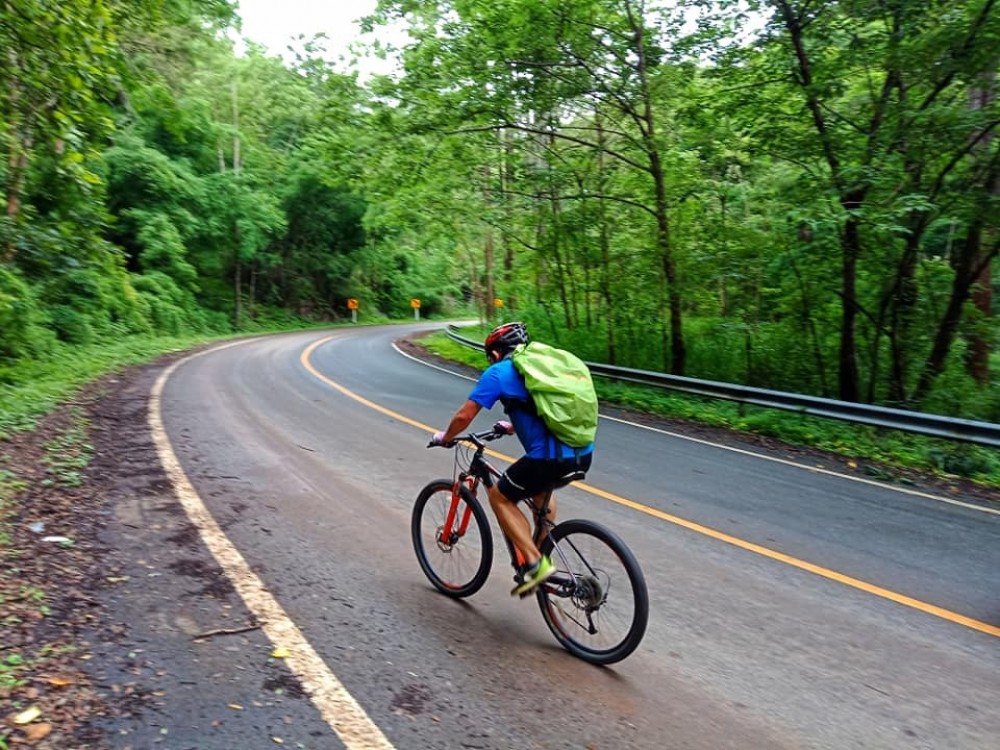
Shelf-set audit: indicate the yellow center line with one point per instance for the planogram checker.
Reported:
(832, 575)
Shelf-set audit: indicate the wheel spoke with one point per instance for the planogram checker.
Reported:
(457, 564)
(596, 604)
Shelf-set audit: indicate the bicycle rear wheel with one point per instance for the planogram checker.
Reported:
(596, 604)
(452, 539)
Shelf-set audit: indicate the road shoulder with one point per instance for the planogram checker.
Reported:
(145, 643)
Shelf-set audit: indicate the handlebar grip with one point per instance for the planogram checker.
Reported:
(503, 427)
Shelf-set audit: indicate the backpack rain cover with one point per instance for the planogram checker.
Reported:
(560, 385)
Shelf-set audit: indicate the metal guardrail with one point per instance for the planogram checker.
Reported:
(933, 425)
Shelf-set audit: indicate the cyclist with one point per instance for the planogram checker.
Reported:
(545, 462)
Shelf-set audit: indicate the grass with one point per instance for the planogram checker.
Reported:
(890, 447)
(66, 456)
(31, 388)
(11, 667)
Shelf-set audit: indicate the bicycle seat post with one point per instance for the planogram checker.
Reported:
(542, 510)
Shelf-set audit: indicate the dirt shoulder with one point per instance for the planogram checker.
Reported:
(127, 634)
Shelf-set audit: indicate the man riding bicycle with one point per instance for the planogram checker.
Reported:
(545, 462)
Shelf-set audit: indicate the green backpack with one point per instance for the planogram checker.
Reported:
(561, 387)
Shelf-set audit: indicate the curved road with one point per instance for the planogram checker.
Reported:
(789, 608)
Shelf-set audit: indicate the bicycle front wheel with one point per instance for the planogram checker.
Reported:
(596, 604)
(452, 538)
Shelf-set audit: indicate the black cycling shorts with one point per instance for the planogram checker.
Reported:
(528, 477)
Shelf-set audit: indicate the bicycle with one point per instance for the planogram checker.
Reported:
(596, 604)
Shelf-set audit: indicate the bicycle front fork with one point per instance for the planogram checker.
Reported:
(460, 510)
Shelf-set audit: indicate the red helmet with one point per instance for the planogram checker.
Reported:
(504, 338)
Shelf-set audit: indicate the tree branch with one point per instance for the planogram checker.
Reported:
(555, 134)
(946, 80)
(582, 196)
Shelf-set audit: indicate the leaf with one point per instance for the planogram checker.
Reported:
(236, 706)
(27, 716)
(37, 732)
(280, 653)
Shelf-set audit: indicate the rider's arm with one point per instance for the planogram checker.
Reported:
(462, 419)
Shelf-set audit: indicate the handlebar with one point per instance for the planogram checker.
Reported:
(478, 439)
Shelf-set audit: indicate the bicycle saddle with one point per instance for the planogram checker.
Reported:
(573, 476)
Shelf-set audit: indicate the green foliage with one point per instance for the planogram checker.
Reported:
(171, 308)
(824, 259)
(32, 387)
(320, 245)
(163, 251)
(142, 177)
(18, 316)
(12, 669)
(444, 346)
(634, 193)
(71, 325)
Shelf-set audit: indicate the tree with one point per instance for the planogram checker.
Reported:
(535, 68)
(882, 89)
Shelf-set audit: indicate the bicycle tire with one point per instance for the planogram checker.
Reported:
(460, 568)
(600, 598)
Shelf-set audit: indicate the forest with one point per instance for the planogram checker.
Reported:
(801, 195)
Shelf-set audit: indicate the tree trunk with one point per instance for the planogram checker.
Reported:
(605, 240)
(977, 361)
(848, 358)
(554, 243)
(554, 246)
(809, 323)
(905, 294)
(724, 233)
(18, 148)
(969, 265)
(507, 248)
(678, 352)
(851, 200)
(251, 303)
(238, 270)
(489, 251)
(972, 264)
(17, 171)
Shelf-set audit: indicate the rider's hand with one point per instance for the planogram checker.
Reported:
(503, 427)
(437, 440)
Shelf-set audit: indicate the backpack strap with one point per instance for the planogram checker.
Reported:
(517, 404)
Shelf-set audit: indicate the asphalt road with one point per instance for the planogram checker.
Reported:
(789, 608)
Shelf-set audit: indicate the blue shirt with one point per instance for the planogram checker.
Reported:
(502, 381)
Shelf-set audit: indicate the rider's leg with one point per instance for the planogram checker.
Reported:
(551, 515)
(515, 525)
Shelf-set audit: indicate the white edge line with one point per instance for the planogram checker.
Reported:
(743, 451)
(337, 707)
(433, 367)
